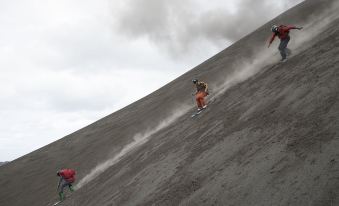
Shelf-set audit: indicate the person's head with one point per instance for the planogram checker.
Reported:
(274, 28)
(195, 81)
(58, 173)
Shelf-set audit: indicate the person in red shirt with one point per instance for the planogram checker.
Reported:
(282, 32)
(67, 178)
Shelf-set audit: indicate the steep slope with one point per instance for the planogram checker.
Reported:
(266, 140)
(2, 163)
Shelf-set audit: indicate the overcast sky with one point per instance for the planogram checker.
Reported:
(67, 63)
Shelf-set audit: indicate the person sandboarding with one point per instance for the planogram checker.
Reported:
(201, 93)
(282, 32)
(67, 178)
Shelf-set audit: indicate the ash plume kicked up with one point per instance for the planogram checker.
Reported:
(138, 140)
(317, 25)
(250, 67)
(245, 70)
(180, 27)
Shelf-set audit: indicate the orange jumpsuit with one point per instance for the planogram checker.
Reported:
(201, 94)
(200, 98)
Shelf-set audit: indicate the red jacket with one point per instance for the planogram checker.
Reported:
(68, 175)
(283, 32)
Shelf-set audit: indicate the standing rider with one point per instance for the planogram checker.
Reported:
(67, 177)
(282, 32)
(202, 92)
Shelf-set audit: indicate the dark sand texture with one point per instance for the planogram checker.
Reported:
(271, 139)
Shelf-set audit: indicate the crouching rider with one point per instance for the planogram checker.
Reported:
(202, 92)
(67, 178)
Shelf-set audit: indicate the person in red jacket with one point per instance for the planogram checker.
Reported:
(67, 177)
(202, 92)
(282, 32)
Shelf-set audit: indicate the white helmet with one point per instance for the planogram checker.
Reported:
(274, 28)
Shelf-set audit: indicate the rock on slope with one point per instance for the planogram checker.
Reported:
(269, 138)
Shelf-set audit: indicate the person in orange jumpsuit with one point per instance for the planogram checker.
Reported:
(202, 92)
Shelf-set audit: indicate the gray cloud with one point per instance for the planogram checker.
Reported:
(179, 25)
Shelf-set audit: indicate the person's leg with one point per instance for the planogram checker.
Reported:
(61, 190)
(61, 193)
(70, 186)
(287, 50)
(201, 100)
(283, 47)
(282, 50)
(198, 100)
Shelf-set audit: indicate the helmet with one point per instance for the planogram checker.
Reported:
(58, 173)
(274, 28)
(194, 81)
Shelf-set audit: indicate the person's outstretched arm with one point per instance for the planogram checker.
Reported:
(272, 39)
(294, 27)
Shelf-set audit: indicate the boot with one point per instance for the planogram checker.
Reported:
(61, 196)
(71, 188)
